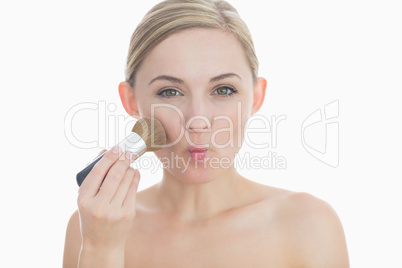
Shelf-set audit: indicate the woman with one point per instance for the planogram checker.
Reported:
(192, 65)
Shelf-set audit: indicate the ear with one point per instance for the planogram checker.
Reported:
(260, 87)
(128, 99)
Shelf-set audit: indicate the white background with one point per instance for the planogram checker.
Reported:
(55, 55)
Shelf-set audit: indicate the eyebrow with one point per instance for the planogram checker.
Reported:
(179, 81)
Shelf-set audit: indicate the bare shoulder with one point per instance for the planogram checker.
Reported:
(314, 229)
(309, 213)
(72, 244)
(308, 226)
(306, 207)
(322, 232)
(300, 207)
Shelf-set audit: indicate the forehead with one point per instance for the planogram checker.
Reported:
(197, 53)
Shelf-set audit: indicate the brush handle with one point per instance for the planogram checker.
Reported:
(133, 142)
(84, 173)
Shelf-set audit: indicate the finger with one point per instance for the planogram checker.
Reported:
(129, 201)
(93, 181)
(114, 177)
(123, 188)
(101, 152)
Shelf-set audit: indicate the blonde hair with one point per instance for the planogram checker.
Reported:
(171, 16)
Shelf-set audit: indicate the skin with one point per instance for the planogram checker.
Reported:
(198, 216)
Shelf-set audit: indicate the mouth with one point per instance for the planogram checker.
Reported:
(198, 153)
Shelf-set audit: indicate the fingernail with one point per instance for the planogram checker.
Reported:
(116, 149)
(130, 156)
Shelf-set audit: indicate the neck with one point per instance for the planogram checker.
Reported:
(192, 201)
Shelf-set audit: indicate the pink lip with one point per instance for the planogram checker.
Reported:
(197, 149)
(198, 154)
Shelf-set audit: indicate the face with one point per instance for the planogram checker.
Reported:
(199, 85)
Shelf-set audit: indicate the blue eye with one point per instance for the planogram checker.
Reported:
(168, 93)
(225, 91)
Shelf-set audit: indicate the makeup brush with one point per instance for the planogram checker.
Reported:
(147, 135)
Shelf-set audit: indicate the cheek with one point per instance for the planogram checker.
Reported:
(171, 120)
(169, 115)
(228, 128)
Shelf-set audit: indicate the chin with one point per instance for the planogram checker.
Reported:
(194, 173)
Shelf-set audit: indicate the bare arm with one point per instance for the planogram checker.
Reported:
(72, 243)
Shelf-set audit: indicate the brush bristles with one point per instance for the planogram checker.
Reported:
(152, 132)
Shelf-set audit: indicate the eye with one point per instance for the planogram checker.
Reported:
(225, 91)
(168, 93)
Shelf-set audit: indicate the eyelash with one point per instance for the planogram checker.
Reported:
(232, 91)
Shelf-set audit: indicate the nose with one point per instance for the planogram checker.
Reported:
(197, 116)
(198, 123)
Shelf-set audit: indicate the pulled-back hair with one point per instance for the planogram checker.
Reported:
(171, 16)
